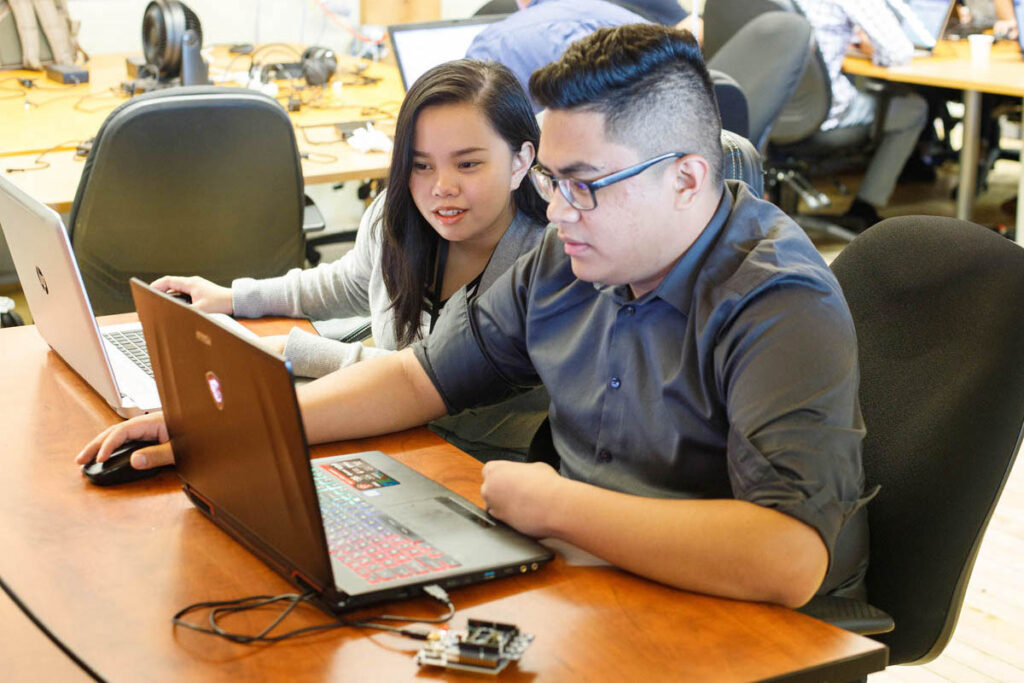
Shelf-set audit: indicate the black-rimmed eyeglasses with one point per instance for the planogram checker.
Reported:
(580, 193)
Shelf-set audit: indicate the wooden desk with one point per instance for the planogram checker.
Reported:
(104, 570)
(950, 67)
(55, 118)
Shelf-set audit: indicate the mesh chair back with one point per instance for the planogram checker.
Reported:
(740, 161)
(195, 181)
(937, 307)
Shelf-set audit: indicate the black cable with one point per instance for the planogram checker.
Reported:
(219, 608)
(40, 164)
(49, 634)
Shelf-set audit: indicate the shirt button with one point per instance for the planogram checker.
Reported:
(615, 383)
(604, 456)
(630, 310)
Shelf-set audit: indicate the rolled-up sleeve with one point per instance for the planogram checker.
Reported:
(788, 364)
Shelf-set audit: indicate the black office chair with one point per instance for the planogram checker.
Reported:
(201, 180)
(766, 57)
(936, 303)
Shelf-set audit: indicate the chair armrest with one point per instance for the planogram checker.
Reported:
(846, 613)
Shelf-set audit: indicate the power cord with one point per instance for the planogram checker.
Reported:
(221, 608)
(40, 162)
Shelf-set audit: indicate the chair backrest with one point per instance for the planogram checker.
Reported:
(497, 7)
(809, 104)
(202, 180)
(767, 57)
(937, 306)
(732, 103)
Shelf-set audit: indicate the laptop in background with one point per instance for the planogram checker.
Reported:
(924, 21)
(356, 528)
(421, 46)
(112, 359)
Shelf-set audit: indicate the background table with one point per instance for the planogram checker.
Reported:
(54, 118)
(950, 67)
(104, 570)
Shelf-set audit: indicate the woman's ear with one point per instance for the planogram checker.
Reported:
(521, 163)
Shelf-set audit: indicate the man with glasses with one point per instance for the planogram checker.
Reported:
(699, 355)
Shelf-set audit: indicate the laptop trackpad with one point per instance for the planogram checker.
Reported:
(439, 518)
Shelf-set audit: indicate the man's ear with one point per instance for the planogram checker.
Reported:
(521, 163)
(689, 176)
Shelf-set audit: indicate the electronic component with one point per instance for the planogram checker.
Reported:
(66, 73)
(484, 647)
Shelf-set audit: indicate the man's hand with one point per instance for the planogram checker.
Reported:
(206, 296)
(521, 494)
(863, 43)
(142, 428)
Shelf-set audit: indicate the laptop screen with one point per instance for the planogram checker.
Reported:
(925, 21)
(422, 46)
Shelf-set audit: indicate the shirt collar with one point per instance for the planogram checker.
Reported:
(677, 287)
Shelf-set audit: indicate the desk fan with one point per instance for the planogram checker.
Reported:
(171, 39)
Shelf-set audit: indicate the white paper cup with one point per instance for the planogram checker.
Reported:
(981, 47)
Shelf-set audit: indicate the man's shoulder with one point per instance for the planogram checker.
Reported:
(761, 248)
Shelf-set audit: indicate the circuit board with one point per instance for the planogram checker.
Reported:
(484, 647)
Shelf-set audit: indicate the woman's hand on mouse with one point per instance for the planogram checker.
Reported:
(206, 296)
(143, 428)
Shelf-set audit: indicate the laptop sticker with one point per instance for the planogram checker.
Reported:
(360, 475)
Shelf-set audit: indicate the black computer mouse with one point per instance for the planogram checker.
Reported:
(118, 468)
(180, 296)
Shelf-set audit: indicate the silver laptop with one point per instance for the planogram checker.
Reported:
(112, 359)
(924, 21)
(421, 46)
(353, 528)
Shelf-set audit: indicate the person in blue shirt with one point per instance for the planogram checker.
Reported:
(540, 32)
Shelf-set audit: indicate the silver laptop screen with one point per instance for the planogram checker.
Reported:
(925, 22)
(421, 47)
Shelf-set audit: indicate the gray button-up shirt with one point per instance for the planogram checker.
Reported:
(735, 378)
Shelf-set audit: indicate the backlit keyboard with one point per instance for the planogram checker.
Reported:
(369, 542)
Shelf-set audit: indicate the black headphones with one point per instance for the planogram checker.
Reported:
(318, 65)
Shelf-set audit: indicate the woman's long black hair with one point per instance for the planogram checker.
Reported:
(409, 242)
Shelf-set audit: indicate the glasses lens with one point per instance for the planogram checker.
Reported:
(579, 193)
(543, 183)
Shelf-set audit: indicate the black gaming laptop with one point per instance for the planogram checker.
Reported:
(354, 528)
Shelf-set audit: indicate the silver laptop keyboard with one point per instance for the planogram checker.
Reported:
(132, 344)
(368, 541)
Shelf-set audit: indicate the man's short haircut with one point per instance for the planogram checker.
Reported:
(649, 82)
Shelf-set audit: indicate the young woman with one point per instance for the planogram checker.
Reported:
(457, 213)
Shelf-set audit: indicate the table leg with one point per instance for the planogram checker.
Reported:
(969, 155)
(1020, 194)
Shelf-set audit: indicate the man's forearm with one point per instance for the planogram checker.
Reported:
(377, 396)
(728, 548)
